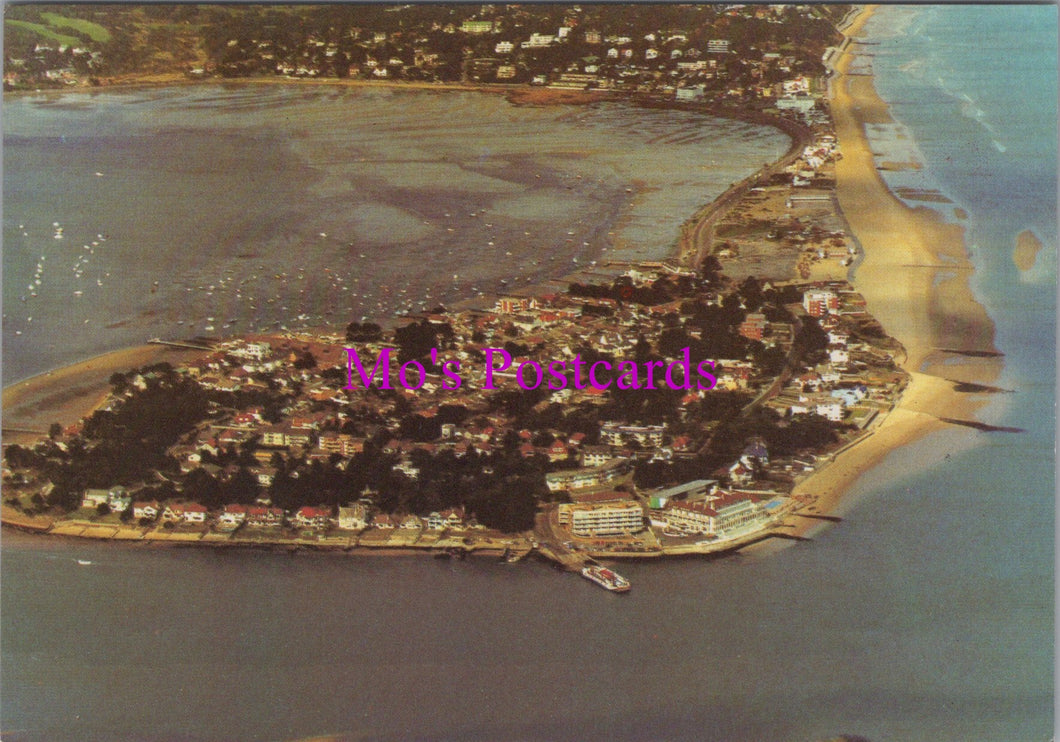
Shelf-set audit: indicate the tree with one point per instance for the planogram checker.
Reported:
(751, 292)
(810, 337)
(368, 332)
(55, 430)
(119, 382)
(306, 360)
(202, 488)
(711, 269)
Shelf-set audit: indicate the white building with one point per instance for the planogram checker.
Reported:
(353, 518)
(538, 41)
(615, 518)
(831, 409)
(575, 479)
(690, 517)
(646, 435)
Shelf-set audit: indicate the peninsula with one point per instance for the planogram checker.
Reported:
(258, 440)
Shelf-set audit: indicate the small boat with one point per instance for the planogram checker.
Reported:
(606, 578)
(84, 562)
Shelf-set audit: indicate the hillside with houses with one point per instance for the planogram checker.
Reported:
(736, 55)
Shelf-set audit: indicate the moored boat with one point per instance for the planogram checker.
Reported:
(606, 578)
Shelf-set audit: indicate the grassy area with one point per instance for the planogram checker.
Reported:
(92, 30)
(45, 32)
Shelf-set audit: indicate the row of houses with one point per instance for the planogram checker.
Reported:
(353, 517)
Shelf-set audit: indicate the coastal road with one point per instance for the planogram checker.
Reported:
(697, 240)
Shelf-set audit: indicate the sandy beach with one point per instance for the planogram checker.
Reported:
(67, 394)
(915, 280)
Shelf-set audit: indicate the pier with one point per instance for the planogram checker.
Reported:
(790, 536)
(820, 516)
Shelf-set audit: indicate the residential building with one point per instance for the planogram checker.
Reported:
(538, 41)
(820, 303)
(646, 435)
(613, 518)
(274, 435)
(353, 517)
(690, 517)
(477, 27)
(575, 479)
(697, 489)
(232, 517)
(596, 455)
(754, 326)
(384, 521)
(195, 513)
(313, 517)
(142, 509)
(263, 517)
(116, 498)
(736, 511)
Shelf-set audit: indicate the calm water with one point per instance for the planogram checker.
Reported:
(238, 208)
(928, 614)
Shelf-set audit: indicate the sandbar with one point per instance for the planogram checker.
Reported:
(1027, 248)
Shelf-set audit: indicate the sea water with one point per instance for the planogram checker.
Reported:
(926, 614)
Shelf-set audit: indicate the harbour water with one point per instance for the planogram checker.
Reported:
(225, 209)
(927, 614)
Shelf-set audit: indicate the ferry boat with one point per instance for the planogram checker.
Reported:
(606, 578)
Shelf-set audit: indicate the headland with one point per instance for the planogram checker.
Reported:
(912, 275)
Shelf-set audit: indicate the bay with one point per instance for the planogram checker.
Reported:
(227, 209)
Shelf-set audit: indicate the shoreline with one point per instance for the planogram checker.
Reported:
(518, 94)
(926, 308)
(69, 393)
(923, 306)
